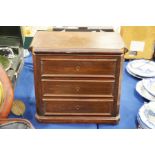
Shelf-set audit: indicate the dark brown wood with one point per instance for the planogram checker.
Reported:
(85, 88)
(79, 65)
(78, 107)
(78, 119)
(77, 76)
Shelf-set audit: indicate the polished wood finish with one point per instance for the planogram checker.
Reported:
(81, 65)
(76, 42)
(77, 76)
(100, 88)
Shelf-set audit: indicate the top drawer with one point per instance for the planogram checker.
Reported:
(78, 66)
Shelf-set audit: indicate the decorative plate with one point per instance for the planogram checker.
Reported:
(149, 85)
(5, 62)
(147, 114)
(142, 124)
(143, 92)
(128, 70)
(144, 68)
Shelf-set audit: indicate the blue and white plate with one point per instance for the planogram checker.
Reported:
(149, 85)
(146, 115)
(141, 67)
(141, 124)
(143, 92)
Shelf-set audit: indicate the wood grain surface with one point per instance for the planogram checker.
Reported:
(77, 76)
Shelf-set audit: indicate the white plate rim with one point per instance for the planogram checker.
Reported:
(130, 72)
(139, 87)
(133, 70)
(145, 84)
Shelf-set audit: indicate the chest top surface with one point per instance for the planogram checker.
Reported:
(45, 41)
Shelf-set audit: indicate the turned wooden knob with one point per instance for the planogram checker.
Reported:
(77, 88)
(77, 68)
(77, 107)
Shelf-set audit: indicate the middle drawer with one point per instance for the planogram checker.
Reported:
(91, 88)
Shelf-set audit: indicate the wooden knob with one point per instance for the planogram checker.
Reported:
(77, 89)
(77, 107)
(77, 68)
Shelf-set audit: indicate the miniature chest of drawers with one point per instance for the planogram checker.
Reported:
(77, 76)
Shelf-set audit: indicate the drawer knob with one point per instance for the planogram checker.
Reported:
(77, 68)
(77, 89)
(77, 107)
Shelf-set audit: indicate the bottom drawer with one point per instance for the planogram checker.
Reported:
(78, 107)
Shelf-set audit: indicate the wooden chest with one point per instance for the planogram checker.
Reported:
(77, 76)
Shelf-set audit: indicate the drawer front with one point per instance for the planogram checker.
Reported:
(77, 67)
(77, 88)
(77, 107)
